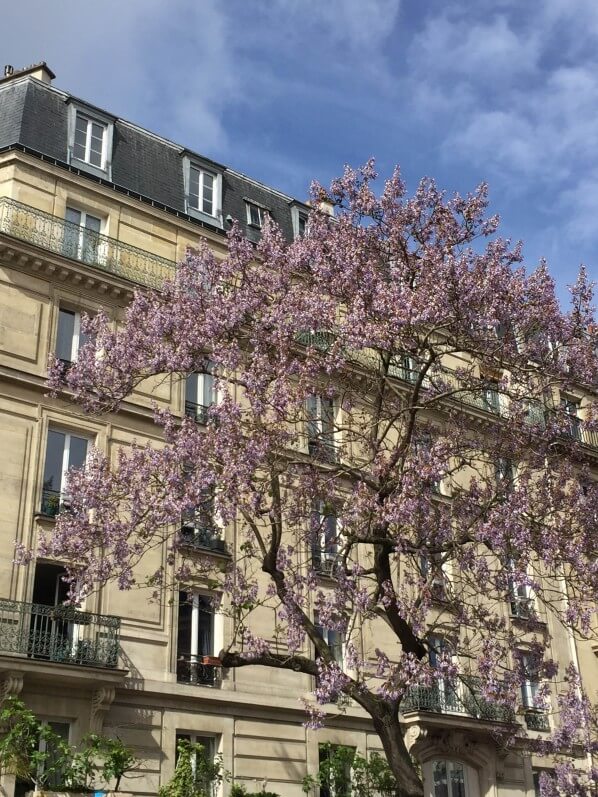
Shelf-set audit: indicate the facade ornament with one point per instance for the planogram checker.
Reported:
(101, 701)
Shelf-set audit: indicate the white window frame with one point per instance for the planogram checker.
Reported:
(102, 248)
(298, 212)
(195, 655)
(317, 422)
(76, 339)
(214, 218)
(261, 211)
(66, 455)
(107, 122)
(529, 688)
(520, 595)
(469, 787)
(201, 386)
(41, 745)
(327, 558)
(325, 634)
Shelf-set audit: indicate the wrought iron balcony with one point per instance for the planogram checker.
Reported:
(206, 538)
(317, 339)
(324, 562)
(78, 243)
(53, 502)
(455, 698)
(537, 721)
(199, 412)
(60, 634)
(323, 450)
(199, 670)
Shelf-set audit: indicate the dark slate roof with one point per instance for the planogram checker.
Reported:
(35, 116)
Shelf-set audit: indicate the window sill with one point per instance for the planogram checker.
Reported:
(195, 213)
(89, 167)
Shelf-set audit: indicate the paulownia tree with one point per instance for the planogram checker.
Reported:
(397, 407)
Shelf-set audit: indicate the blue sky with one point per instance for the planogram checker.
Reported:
(289, 90)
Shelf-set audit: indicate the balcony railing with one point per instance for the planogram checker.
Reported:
(449, 698)
(199, 412)
(198, 670)
(53, 502)
(59, 633)
(323, 450)
(537, 721)
(207, 539)
(78, 243)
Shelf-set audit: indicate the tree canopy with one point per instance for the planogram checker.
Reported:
(399, 441)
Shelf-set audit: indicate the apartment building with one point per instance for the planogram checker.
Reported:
(91, 208)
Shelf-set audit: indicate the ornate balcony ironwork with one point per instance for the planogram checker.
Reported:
(207, 539)
(537, 721)
(455, 698)
(316, 339)
(59, 633)
(323, 450)
(199, 412)
(86, 246)
(199, 670)
(53, 502)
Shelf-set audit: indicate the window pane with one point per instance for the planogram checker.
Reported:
(74, 216)
(440, 779)
(205, 641)
(194, 187)
(208, 389)
(457, 779)
(77, 452)
(54, 457)
(92, 223)
(64, 337)
(191, 389)
(184, 626)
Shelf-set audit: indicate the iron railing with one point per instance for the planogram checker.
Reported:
(59, 633)
(199, 412)
(78, 243)
(206, 538)
(322, 450)
(455, 698)
(197, 670)
(53, 502)
(316, 339)
(537, 721)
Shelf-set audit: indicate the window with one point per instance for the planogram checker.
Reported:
(521, 595)
(504, 475)
(334, 639)
(63, 452)
(537, 773)
(199, 395)
(89, 144)
(570, 408)
(255, 215)
(204, 765)
(335, 770)
(82, 237)
(300, 220)
(491, 396)
(199, 528)
(201, 190)
(444, 693)
(320, 428)
(432, 570)
(195, 639)
(535, 717)
(448, 778)
(49, 750)
(69, 337)
(324, 527)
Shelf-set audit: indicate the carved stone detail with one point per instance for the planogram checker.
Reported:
(101, 701)
(11, 683)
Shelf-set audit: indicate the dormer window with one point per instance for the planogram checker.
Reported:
(300, 220)
(90, 141)
(203, 191)
(255, 215)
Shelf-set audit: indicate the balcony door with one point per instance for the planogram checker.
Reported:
(444, 777)
(195, 639)
(82, 239)
(52, 635)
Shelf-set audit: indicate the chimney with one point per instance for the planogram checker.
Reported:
(39, 71)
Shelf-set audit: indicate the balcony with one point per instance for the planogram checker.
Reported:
(198, 670)
(85, 246)
(537, 721)
(206, 538)
(199, 412)
(448, 698)
(323, 450)
(59, 634)
(53, 502)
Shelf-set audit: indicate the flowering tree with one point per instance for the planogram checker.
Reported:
(396, 407)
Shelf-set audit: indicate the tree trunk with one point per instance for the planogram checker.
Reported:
(390, 732)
